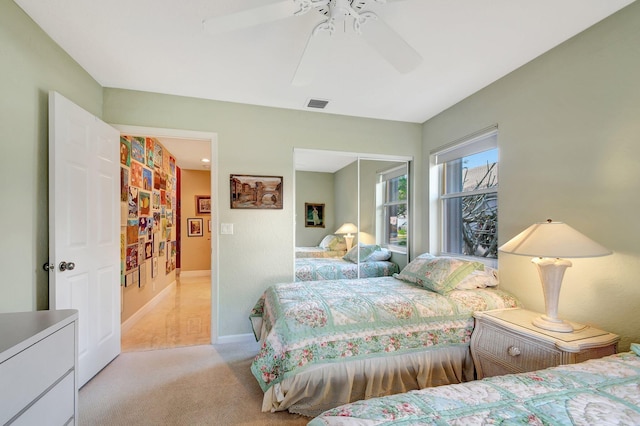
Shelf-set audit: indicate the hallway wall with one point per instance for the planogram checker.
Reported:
(195, 252)
(148, 223)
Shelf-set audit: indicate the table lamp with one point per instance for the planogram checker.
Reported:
(348, 228)
(550, 243)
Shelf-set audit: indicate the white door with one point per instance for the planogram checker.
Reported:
(84, 233)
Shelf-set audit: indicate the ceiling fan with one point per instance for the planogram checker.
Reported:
(335, 14)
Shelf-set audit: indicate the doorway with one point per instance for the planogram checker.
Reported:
(162, 316)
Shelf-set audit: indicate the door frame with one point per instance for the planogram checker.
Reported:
(213, 140)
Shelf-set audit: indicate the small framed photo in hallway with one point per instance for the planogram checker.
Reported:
(203, 204)
(194, 227)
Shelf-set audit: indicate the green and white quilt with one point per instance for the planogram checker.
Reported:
(338, 269)
(314, 322)
(603, 391)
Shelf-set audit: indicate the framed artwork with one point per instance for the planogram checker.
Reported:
(148, 250)
(314, 215)
(149, 151)
(147, 179)
(137, 149)
(194, 227)
(144, 203)
(125, 151)
(124, 184)
(255, 192)
(203, 204)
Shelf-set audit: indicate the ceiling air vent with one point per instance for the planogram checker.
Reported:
(317, 103)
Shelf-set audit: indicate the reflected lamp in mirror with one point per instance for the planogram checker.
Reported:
(348, 229)
(550, 243)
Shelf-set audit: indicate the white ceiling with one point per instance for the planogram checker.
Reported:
(161, 46)
(309, 160)
(188, 152)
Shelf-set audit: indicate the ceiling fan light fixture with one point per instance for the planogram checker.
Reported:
(340, 10)
(317, 103)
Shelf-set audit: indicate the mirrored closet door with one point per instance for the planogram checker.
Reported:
(363, 199)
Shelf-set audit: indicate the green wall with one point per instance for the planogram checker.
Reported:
(569, 140)
(346, 190)
(31, 65)
(314, 188)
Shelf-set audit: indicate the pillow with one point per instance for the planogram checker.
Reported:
(333, 242)
(440, 274)
(379, 255)
(479, 279)
(366, 250)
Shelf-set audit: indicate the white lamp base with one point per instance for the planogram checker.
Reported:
(349, 240)
(551, 272)
(552, 324)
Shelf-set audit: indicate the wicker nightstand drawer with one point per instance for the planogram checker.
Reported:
(505, 341)
(512, 353)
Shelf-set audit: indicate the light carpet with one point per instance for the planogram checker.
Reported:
(195, 385)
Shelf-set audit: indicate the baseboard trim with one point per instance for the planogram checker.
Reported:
(237, 338)
(148, 307)
(206, 273)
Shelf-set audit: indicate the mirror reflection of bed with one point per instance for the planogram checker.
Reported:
(352, 190)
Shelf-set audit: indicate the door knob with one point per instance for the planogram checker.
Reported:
(64, 266)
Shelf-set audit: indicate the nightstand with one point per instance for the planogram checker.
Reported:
(504, 341)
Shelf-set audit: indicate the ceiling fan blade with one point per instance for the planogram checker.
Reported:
(390, 45)
(279, 9)
(317, 50)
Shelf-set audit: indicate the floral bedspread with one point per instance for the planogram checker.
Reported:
(312, 322)
(338, 268)
(317, 252)
(595, 392)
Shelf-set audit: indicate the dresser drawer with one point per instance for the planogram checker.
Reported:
(29, 373)
(54, 408)
(519, 353)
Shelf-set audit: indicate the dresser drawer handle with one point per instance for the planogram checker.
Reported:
(513, 351)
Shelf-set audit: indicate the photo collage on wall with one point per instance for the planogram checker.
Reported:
(148, 193)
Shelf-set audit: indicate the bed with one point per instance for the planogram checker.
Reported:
(594, 392)
(318, 252)
(330, 246)
(326, 343)
(338, 268)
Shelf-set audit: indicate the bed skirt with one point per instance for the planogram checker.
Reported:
(327, 386)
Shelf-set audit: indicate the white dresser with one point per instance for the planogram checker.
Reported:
(38, 376)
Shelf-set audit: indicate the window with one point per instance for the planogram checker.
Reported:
(393, 210)
(468, 196)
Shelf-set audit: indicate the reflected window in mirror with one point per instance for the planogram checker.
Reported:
(393, 209)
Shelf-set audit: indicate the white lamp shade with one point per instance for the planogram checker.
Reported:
(553, 239)
(347, 228)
